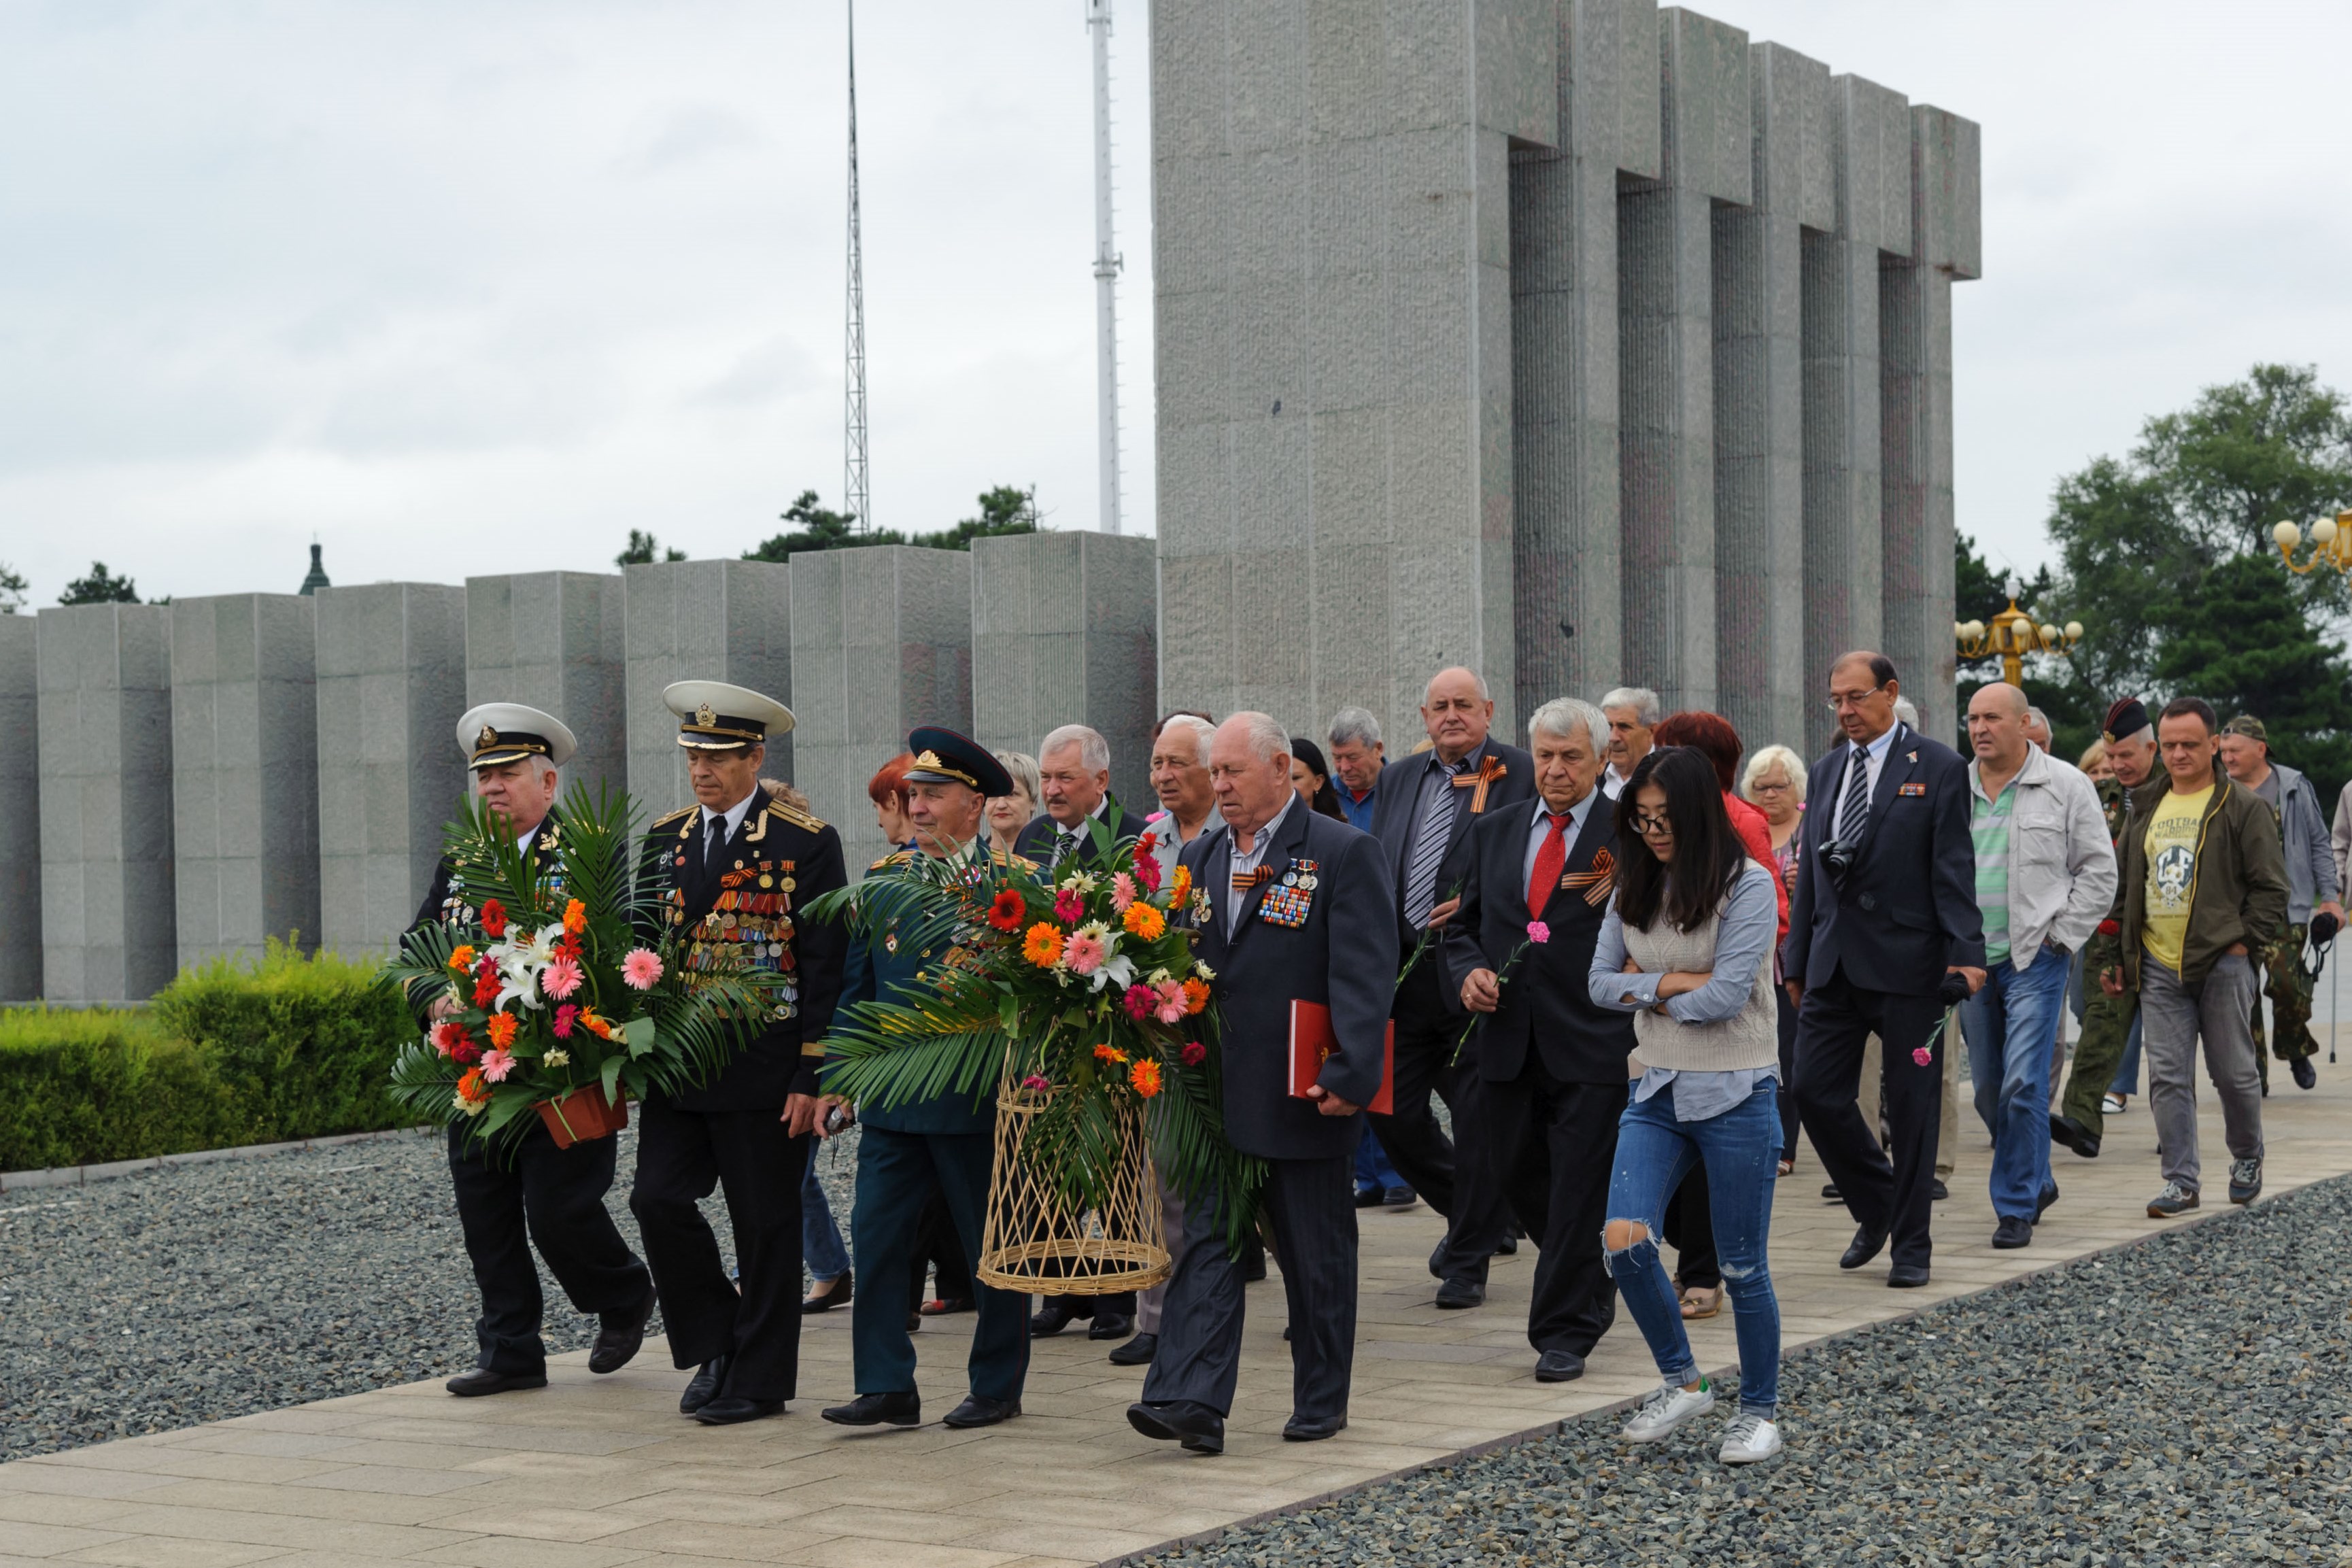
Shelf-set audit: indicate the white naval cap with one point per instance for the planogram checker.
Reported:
(508, 731)
(715, 716)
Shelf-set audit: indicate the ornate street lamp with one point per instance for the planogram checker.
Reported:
(2012, 634)
(2331, 541)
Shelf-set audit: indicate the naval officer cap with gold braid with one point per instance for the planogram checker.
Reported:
(498, 732)
(715, 716)
(942, 756)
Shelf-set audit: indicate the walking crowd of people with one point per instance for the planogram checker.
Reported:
(1633, 961)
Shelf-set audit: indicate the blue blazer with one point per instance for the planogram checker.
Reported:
(1907, 910)
(1343, 954)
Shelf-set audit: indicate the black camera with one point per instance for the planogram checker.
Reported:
(1837, 860)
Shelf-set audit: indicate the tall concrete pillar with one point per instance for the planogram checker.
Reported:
(1666, 356)
(1869, 170)
(701, 620)
(555, 640)
(105, 717)
(1064, 630)
(881, 642)
(1760, 459)
(1915, 375)
(391, 686)
(20, 810)
(245, 774)
(1331, 240)
(1568, 581)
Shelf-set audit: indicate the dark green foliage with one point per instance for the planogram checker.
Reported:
(2053, 684)
(2294, 684)
(1006, 508)
(13, 589)
(100, 587)
(643, 549)
(83, 1088)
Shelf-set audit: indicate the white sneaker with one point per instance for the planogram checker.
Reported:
(1666, 1410)
(2110, 1105)
(1748, 1439)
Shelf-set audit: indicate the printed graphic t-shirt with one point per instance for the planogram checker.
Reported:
(2171, 846)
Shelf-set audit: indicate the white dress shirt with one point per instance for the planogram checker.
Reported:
(1540, 829)
(1874, 758)
(1235, 900)
(728, 821)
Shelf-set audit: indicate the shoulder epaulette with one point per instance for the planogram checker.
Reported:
(901, 858)
(1006, 858)
(680, 814)
(794, 815)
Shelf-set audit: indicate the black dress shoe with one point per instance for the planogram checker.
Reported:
(1458, 1293)
(979, 1410)
(2014, 1231)
(1111, 1326)
(2042, 1204)
(904, 1408)
(1368, 1198)
(2305, 1075)
(729, 1410)
(1866, 1245)
(1137, 1352)
(1937, 1191)
(1907, 1276)
(1396, 1200)
(1436, 1259)
(1313, 1428)
(1829, 1191)
(840, 1295)
(1507, 1248)
(2069, 1133)
(1558, 1366)
(619, 1338)
(1051, 1319)
(703, 1386)
(482, 1380)
(1196, 1427)
(1254, 1266)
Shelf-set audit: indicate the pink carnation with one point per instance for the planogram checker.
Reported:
(1083, 953)
(1139, 1000)
(1538, 932)
(1068, 907)
(565, 1017)
(1922, 1055)
(1122, 890)
(641, 968)
(562, 976)
(497, 1065)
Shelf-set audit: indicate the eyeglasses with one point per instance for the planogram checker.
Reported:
(1650, 823)
(1841, 700)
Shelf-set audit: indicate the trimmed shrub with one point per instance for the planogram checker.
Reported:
(80, 1089)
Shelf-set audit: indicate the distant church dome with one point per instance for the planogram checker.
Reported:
(318, 577)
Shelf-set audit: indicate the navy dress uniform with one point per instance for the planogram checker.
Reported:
(903, 1150)
(513, 1194)
(1317, 923)
(728, 881)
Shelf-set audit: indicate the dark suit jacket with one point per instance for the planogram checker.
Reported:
(1909, 907)
(1546, 1001)
(1399, 794)
(1036, 840)
(777, 860)
(1344, 955)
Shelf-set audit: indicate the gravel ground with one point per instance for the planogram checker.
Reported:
(168, 1299)
(2180, 1402)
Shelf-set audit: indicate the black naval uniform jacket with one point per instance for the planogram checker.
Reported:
(1321, 927)
(742, 900)
(444, 902)
(1546, 1001)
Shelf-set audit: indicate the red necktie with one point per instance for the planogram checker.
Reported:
(1549, 861)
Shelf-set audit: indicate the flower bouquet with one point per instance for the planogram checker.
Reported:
(1076, 990)
(555, 995)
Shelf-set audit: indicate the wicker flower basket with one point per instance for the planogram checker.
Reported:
(1034, 1242)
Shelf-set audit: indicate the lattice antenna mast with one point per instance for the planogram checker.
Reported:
(854, 499)
(1107, 267)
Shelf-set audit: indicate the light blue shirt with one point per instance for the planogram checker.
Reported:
(1743, 943)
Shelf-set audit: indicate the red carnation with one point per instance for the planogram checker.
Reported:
(494, 918)
(1008, 911)
(1193, 1054)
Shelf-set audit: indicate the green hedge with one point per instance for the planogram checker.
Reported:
(230, 1053)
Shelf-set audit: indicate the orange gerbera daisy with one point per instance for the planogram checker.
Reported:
(1196, 996)
(1180, 887)
(575, 916)
(1144, 921)
(1106, 1053)
(1144, 1076)
(501, 1028)
(472, 1088)
(1043, 947)
(462, 959)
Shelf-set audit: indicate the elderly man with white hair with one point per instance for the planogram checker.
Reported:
(1633, 711)
(1299, 930)
(1074, 775)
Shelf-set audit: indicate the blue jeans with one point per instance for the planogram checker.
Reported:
(2127, 1071)
(1740, 1149)
(2009, 1024)
(1373, 1172)
(821, 1246)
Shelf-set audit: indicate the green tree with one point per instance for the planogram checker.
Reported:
(1005, 508)
(643, 549)
(2297, 685)
(100, 587)
(13, 589)
(2052, 682)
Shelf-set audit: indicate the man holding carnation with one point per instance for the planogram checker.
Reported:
(948, 1138)
(1293, 907)
(511, 1196)
(728, 874)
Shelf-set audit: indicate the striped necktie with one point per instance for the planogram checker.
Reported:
(1855, 814)
(1429, 837)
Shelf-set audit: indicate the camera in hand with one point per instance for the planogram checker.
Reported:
(2323, 929)
(1838, 857)
(1953, 990)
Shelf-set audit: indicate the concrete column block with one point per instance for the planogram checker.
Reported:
(391, 687)
(701, 620)
(1064, 630)
(881, 641)
(105, 743)
(245, 774)
(558, 642)
(20, 810)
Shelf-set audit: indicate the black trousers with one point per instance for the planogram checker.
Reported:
(1460, 1177)
(1558, 1144)
(534, 1193)
(1311, 1205)
(682, 1156)
(937, 1251)
(1894, 1194)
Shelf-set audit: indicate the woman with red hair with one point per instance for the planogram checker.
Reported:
(887, 790)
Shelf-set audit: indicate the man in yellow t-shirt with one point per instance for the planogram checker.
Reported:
(2204, 884)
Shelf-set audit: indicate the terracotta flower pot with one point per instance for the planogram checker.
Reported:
(583, 1115)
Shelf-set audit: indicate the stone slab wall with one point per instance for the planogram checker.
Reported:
(701, 620)
(557, 641)
(20, 809)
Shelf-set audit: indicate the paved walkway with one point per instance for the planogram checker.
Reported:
(598, 1472)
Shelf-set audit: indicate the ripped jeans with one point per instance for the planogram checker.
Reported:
(1739, 1148)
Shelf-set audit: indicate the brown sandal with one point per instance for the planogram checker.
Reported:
(1695, 1295)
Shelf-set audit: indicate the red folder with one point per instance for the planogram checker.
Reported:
(1312, 1044)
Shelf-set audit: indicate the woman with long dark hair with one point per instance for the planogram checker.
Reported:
(1310, 776)
(1686, 947)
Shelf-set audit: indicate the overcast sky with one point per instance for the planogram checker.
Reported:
(465, 288)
